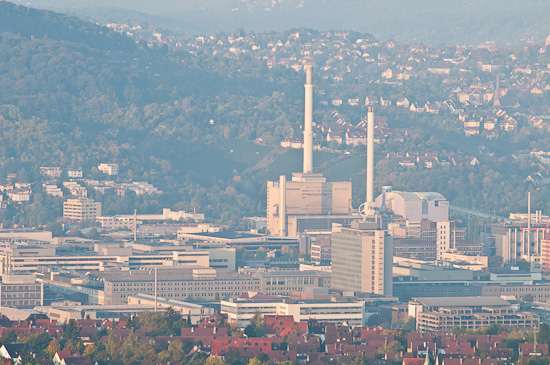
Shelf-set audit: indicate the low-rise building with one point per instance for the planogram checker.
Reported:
(108, 168)
(51, 171)
(472, 313)
(202, 284)
(240, 312)
(20, 195)
(283, 282)
(194, 311)
(21, 291)
(29, 258)
(117, 221)
(52, 189)
(74, 174)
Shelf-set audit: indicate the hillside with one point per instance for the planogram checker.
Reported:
(74, 94)
(202, 122)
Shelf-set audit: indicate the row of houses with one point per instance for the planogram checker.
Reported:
(431, 159)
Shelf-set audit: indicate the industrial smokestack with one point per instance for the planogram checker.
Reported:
(370, 157)
(282, 206)
(308, 122)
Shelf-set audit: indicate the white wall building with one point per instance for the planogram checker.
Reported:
(362, 259)
(81, 209)
(415, 206)
(117, 221)
(27, 258)
(74, 174)
(241, 312)
(108, 168)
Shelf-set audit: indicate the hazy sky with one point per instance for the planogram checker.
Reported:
(437, 21)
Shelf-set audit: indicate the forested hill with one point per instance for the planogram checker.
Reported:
(29, 22)
(74, 94)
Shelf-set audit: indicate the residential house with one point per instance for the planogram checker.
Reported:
(356, 138)
(371, 100)
(385, 101)
(403, 102)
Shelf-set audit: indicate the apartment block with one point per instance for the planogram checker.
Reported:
(74, 174)
(118, 221)
(110, 169)
(81, 209)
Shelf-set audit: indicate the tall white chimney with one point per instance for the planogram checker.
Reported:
(282, 206)
(308, 123)
(370, 157)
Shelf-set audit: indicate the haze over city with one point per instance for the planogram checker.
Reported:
(274, 182)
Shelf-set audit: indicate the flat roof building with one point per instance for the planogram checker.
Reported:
(362, 258)
(241, 312)
(415, 206)
(29, 258)
(443, 314)
(20, 291)
(305, 195)
(249, 241)
(110, 169)
(195, 311)
(283, 282)
(81, 209)
(202, 284)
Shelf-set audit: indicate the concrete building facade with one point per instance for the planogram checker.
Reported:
(110, 169)
(352, 313)
(81, 209)
(202, 284)
(443, 314)
(321, 253)
(415, 206)
(305, 195)
(21, 291)
(283, 282)
(362, 258)
(22, 258)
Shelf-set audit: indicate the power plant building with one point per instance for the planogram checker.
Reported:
(308, 194)
(415, 206)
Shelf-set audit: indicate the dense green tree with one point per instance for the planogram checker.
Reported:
(52, 348)
(38, 342)
(233, 357)
(257, 326)
(11, 337)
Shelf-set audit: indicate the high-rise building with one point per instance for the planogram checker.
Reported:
(362, 258)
